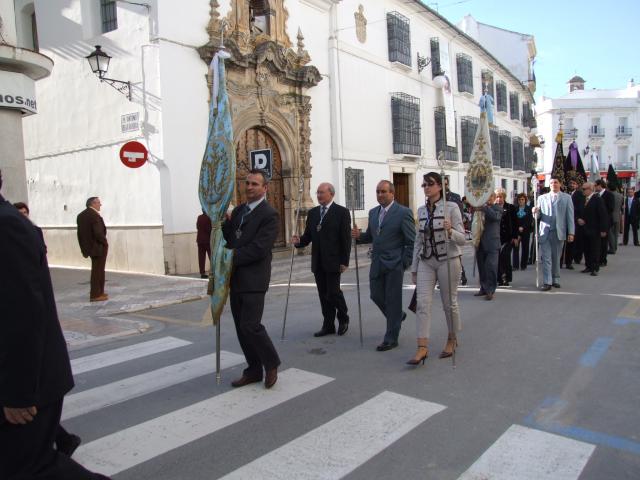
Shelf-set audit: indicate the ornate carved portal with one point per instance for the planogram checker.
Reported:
(267, 83)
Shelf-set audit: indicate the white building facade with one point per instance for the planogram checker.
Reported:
(604, 123)
(325, 85)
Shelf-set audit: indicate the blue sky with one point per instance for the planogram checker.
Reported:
(597, 40)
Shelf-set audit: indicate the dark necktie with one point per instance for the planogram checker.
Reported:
(322, 212)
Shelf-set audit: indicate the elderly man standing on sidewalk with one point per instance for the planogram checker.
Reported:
(555, 211)
(92, 237)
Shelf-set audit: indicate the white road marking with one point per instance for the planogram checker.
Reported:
(338, 447)
(129, 447)
(124, 354)
(122, 390)
(526, 454)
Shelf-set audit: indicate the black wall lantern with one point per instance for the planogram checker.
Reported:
(99, 63)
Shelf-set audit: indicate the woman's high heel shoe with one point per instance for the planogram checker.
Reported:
(421, 356)
(450, 347)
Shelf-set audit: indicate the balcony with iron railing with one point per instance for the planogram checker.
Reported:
(596, 131)
(619, 166)
(571, 133)
(623, 131)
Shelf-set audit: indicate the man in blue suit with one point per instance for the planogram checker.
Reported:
(555, 211)
(392, 231)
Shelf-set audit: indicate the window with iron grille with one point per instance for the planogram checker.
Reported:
(399, 38)
(405, 117)
(495, 145)
(487, 79)
(108, 15)
(530, 158)
(354, 188)
(506, 161)
(465, 73)
(450, 153)
(514, 106)
(435, 58)
(517, 153)
(528, 120)
(468, 128)
(501, 96)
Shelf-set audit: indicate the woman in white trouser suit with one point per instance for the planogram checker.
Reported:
(430, 264)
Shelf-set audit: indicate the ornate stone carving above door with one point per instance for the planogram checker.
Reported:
(267, 82)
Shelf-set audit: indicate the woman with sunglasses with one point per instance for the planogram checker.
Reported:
(430, 264)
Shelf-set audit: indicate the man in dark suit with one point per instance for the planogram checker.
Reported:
(92, 237)
(391, 230)
(488, 248)
(609, 203)
(328, 229)
(35, 372)
(631, 217)
(595, 221)
(251, 231)
(203, 239)
(574, 250)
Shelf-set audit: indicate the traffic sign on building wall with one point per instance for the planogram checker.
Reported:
(133, 154)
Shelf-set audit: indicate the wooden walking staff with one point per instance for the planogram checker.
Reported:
(441, 163)
(293, 251)
(352, 194)
(534, 187)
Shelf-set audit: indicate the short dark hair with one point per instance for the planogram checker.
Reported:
(90, 200)
(600, 182)
(390, 184)
(521, 195)
(435, 176)
(260, 171)
(21, 205)
(555, 177)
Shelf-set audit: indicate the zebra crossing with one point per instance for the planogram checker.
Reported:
(330, 451)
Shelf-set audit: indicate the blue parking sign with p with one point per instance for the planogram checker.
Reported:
(261, 159)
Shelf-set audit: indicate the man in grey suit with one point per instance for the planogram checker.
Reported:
(392, 231)
(488, 249)
(614, 229)
(555, 211)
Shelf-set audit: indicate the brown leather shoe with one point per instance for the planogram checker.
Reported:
(271, 377)
(489, 296)
(479, 294)
(244, 380)
(100, 298)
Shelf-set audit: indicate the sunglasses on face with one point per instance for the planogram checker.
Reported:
(430, 184)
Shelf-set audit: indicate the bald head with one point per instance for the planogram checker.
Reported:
(325, 193)
(587, 188)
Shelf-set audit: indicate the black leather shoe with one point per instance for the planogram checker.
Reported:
(384, 346)
(570, 267)
(556, 285)
(270, 377)
(244, 380)
(594, 274)
(479, 294)
(586, 270)
(404, 316)
(323, 332)
(69, 445)
(342, 328)
(546, 287)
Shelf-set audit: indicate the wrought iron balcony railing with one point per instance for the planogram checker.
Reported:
(623, 131)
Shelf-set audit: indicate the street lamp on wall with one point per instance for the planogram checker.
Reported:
(99, 63)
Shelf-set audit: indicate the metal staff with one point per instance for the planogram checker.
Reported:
(450, 326)
(355, 246)
(293, 250)
(534, 187)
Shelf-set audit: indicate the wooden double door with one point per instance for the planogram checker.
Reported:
(259, 139)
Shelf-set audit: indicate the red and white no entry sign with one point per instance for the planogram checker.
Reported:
(133, 154)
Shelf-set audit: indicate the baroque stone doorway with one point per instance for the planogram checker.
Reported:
(257, 138)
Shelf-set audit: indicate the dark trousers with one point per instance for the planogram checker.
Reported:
(487, 269)
(521, 252)
(98, 265)
(204, 250)
(614, 231)
(256, 345)
(629, 226)
(386, 293)
(331, 298)
(28, 453)
(574, 250)
(604, 247)
(593, 250)
(505, 270)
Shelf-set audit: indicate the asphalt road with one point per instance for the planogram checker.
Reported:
(545, 386)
